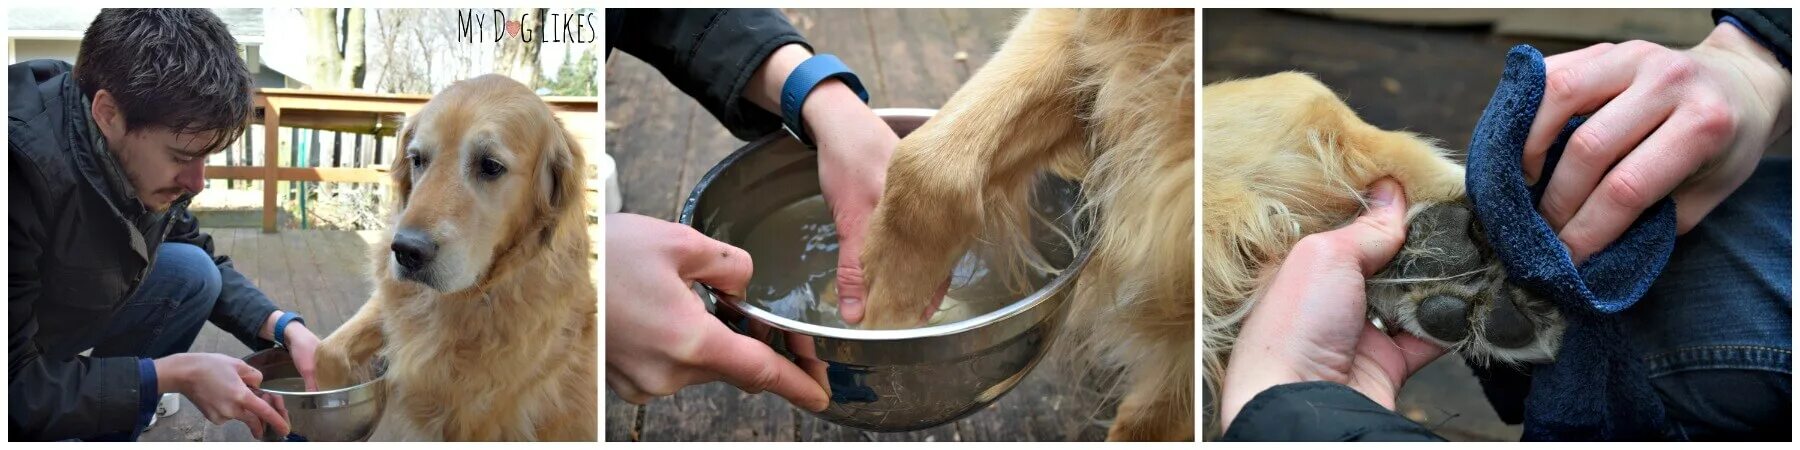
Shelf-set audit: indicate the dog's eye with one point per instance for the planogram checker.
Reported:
(491, 168)
(418, 160)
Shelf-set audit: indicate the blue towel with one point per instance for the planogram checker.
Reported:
(1597, 389)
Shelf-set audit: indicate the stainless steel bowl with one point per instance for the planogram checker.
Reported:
(338, 415)
(886, 380)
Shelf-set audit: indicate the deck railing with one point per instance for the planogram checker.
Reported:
(352, 112)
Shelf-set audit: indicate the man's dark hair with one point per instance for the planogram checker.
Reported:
(174, 68)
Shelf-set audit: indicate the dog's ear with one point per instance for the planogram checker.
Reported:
(560, 173)
(401, 168)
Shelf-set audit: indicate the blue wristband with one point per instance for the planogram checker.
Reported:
(800, 84)
(282, 323)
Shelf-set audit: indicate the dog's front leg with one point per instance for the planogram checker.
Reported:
(970, 167)
(344, 357)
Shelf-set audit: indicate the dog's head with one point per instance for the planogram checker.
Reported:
(485, 171)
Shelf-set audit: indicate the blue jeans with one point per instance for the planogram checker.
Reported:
(166, 313)
(1716, 327)
(169, 308)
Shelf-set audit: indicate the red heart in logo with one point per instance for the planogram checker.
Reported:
(512, 28)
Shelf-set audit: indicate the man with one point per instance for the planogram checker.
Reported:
(104, 255)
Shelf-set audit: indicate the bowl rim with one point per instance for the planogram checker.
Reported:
(342, 390)
(1043, 294)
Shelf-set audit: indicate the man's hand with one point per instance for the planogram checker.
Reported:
(220, 386)
(302, 346)
(1311, 324)
(659, 336)
(854, 148)
(1690, 122)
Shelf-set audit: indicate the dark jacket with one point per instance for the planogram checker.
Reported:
(1771, 27)
(710, 54)
(78, 250)
(1320, 411)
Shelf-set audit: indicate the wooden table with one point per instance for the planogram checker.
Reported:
(356, 112)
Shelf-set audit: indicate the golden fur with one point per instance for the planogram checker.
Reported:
(512, 354)
(1102, 96)
(1284, 158)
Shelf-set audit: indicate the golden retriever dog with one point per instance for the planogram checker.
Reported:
(484, 309)
(1284, 158)
(1105, 97)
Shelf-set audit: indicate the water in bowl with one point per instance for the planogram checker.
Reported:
(295, 384)
(796, 271)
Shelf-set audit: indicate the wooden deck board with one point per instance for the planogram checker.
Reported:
(651, 139)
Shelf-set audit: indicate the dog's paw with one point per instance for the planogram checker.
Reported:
(901, 285)
(332, 366)
(1445, 287)
(926, 218)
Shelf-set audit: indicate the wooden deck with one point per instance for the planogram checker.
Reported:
(664, 141)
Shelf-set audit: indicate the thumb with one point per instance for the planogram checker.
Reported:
(1379, 232)
(714, 263)
(751, 366)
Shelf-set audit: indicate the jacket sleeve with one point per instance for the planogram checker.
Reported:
(242, 309)
(710, 54)
(50, 399)
(1320, 411)
(1771, 27)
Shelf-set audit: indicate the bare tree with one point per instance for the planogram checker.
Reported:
(336, 53)
(518, 57)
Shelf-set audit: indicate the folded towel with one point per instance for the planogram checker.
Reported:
(1597, 388)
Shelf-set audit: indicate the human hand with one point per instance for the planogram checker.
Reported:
(220, 386)
(854, 148)
(1691, 122)
(1311, 324)
(659, 336)
(302, 345)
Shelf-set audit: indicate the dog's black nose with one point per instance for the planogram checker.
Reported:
(413, 249)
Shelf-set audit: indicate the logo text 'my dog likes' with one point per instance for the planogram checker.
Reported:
(474, 26)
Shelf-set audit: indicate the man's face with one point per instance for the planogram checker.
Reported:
(162, 165)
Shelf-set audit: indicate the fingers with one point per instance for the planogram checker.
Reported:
(753, 367)
(851, 220)
(1418, 352)
(851, 289)
(307, 367)
(624, 388)
(1378, 234)
(1575, 86)
(717, 264)
(1596, 146)
(937, 301)
(259, 413)
(255, 424)
(1692, 135)
(1398, 357)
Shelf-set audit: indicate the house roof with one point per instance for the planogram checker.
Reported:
(246, 24)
